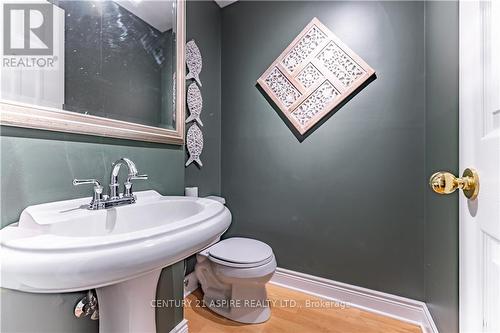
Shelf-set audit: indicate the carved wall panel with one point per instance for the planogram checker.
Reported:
(313, 75)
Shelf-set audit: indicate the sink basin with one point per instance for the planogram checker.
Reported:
(64, 247)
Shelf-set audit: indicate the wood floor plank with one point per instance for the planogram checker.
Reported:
(293, 311)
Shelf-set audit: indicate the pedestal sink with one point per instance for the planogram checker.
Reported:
(62, 247)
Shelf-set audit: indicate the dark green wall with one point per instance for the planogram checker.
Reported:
(37, 167)
(347, 203)
(204, 26)
(441, 228)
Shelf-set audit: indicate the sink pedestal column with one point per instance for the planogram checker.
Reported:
(128, 307)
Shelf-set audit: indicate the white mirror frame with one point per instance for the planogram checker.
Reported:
(32, 116)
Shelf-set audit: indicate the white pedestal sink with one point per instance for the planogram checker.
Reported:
(62, 247)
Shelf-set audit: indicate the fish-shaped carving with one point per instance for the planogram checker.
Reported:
(194, 144)
(193, 61)
(195, 103)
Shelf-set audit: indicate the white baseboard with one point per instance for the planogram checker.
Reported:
(397, 307)
(190, 284)
(181, 327)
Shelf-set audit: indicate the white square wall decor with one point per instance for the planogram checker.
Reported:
(313, 75)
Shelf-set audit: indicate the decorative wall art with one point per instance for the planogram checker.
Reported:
(195, 103)
(194, 143)
(194, 61)
(313, 75)
(194, 136)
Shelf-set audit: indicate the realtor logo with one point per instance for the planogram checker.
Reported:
(28, 29)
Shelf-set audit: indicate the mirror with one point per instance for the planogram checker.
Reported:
(105, 67)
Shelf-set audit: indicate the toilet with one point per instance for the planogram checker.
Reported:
(233, 274)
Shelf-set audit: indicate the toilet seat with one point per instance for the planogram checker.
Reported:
(239, 265)
(240, 252)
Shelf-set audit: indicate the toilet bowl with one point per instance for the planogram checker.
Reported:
(233, 274)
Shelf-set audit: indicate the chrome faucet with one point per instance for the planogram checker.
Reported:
(114, 198)
(113, 177)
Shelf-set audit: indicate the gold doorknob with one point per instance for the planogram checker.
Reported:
(445, 183)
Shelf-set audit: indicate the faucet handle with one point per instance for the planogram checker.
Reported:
(96, 201)
(77, 182)
(127, 186)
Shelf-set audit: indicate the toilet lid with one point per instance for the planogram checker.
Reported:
(241, 250)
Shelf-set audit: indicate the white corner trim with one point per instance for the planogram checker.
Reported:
(190, 284)
(181, 327)
(401, 308)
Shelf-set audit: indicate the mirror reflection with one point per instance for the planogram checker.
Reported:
(114, 59)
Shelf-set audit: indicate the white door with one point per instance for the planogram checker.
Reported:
(480, 149)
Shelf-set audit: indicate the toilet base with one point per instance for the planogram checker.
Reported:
(235, 293)
(248, 304)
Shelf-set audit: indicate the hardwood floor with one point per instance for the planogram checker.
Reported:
(295, 312)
